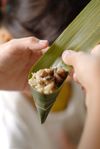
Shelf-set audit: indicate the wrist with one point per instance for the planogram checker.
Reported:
(93, 101)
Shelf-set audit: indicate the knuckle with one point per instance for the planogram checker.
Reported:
(33, 39)
(12, 41)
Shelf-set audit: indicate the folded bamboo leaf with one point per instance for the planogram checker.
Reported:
(82, 34)
(44, 103)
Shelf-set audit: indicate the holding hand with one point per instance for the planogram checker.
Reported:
(87, 73)
(16, 58)
(86, 68)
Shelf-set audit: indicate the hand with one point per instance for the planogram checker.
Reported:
(86, 69)
(87, 73)
(16, 58)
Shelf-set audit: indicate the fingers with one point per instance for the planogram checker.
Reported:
(75, 58)
(40, 45)
(68, 57)
(31, 43)
(71, 57)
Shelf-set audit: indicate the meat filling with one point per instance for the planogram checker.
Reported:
(46, 81)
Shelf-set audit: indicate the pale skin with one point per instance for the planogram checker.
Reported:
(16, 58)
(87, 72)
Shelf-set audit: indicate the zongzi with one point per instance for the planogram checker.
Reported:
(47, 80)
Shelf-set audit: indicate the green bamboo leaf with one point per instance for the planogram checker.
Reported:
(44, 103)
(82, 34)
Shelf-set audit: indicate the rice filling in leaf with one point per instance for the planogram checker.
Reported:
(47, 80)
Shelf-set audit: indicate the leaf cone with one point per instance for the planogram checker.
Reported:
(44, 103)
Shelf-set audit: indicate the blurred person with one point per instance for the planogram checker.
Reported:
(44, 19)
(24, 18)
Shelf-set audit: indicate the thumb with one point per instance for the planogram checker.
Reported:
(41, 44)
(69, 57)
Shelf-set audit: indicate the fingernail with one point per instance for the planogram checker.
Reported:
(66, 53)
(43, 41)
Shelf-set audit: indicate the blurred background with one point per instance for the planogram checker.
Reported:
(44, 19)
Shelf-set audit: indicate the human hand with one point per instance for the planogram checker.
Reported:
(16, 58)
(86, 70)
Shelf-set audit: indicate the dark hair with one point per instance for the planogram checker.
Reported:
(45, 19)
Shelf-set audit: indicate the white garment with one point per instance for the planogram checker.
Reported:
(19, 126)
